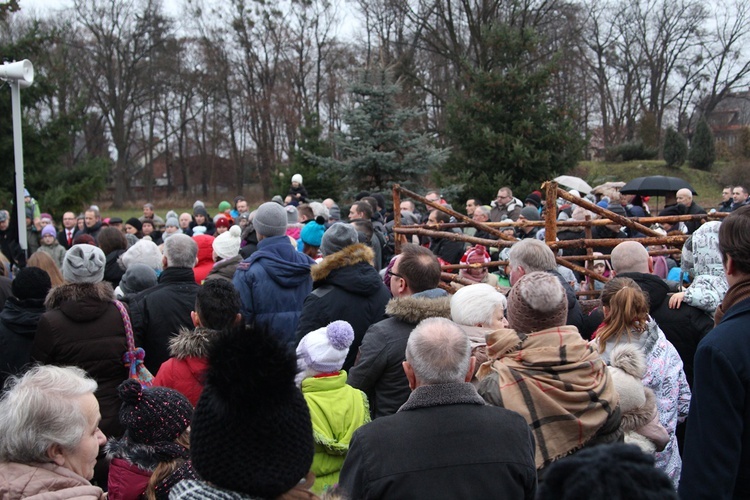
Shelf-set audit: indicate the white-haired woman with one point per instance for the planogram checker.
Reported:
(49, 435)
(480, 309)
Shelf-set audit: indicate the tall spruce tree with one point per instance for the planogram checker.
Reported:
(702, 148)
(379, 146)
(675, 148)
(502, 129)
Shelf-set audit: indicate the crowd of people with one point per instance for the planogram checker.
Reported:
(285, 352)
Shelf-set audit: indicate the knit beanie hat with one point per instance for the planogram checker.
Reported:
(49, 229)
(270, 219)
(536, 302)
(291, 214)
(319, 210)
(475, 255)
(251, 431)
(278, 199)
(153, 415)
(171, 214)
(324, 350)
(200, 210)
(224, 206)
(137, 278)
(135, 223)
(337, 237)
(198, 203)
(143, 252)
(29, 213)
(312, 232)
(535, 199)
(30, 283)
(618, 209)
(84, 264)
(621, 471)
(297, 178)
(222, 222)
(334, 212)
(172, 222)
(530, 213)
(227, 245)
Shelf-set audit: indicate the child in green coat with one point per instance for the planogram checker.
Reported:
(336, 409)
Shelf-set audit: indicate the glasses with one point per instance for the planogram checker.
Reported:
(501, 197)
(390, 271)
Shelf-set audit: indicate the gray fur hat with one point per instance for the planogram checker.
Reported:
(270, 219)
(84, 264)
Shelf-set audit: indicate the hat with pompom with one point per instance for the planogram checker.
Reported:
(227, 244)
(312, 232)
(251, 431)
(324, 350)
(153, 415)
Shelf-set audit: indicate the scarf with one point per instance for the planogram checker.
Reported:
(736, 293)
(555, 380)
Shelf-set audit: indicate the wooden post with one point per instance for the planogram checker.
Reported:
(550, 213)
(396, 219)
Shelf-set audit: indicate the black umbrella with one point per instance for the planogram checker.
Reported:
(656, 185)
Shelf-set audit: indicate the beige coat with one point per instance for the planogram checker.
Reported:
(44, 481)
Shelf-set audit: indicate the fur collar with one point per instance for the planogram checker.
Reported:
(75, 292)
(414, 309)
(147, 457)
(353, 254)
(427, 396)
(191, 343)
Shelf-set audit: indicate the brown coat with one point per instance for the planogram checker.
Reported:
(82, 327)
(44, 481)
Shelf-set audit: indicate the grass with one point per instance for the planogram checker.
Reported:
(706, 184)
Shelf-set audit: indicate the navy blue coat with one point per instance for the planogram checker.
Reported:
(273, 283)
(716, 461)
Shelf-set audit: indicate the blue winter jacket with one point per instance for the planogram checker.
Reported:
(273, 283)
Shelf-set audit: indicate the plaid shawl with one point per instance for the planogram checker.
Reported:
(555, 380)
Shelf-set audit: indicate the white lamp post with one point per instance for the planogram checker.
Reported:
(19, 75)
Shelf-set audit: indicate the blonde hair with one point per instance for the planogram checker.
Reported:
(44, 262)
(627, 311)
(165, 469)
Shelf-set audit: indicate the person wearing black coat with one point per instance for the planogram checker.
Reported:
(159, 312)
(19, 319)
(445, 441)
(345, 287)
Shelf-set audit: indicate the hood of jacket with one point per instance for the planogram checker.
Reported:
(81, 301)
(656, 288)
(701, 255)
(283, 263)
(22, 316)
(349, 269)
(205, 249)
(191, 343)
(415, 308)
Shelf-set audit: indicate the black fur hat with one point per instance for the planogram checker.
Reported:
(251, 431)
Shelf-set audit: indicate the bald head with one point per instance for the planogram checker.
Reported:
(438, 352)
(685, 196)
(630, 257)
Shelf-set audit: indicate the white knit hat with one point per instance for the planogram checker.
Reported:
(324, 350)
(297, 178)
(227, 244)
(143, 252)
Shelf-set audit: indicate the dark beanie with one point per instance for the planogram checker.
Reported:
(535, 199)
(604, 472)
(135, 223)
(251, 431)
(31, 283)
(154, 414)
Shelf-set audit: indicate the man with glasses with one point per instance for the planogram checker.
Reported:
(414, 279)
(506, 206)
(65, 237)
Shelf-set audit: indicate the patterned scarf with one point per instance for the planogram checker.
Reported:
(737, 293)
(555, 380)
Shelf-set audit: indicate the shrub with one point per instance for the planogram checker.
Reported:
(702, 148)
(632, 150)
(675, 148)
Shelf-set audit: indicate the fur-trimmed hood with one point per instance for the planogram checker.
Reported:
(414, 309)
(146, 457)
(77, 292)
(191, 343)
(349, 256)
(81, 302)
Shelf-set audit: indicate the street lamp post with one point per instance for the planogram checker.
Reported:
(19, 75)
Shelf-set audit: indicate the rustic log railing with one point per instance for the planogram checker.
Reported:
(551, 226)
